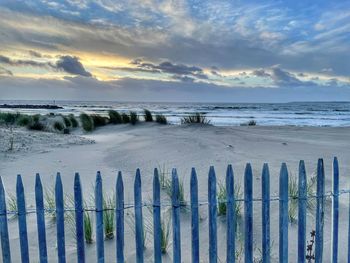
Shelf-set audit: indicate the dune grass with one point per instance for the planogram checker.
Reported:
(24, 120)
(181, 194)
(67, 122)
(147, 115)
(108, 216)
(134, 118)
(125, 118)
(12, 204)
(161, 119)
(88, 228)
(49, 202)
(87, 122)
(59, 126)
(115, 117)
(165, 233)
(198, 118)
(222, 200)
(98, 120)
(73, 121)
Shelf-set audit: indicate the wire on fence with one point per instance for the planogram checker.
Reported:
(168, 204)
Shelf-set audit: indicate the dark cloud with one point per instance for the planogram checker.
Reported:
(284, 78)
(68, 64)
(34, 54)
(178, 71)
(260, 73)
(72, 65)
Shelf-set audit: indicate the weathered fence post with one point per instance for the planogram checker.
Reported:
(138, 218)
(212, 205)
(120, 218)
(157, 230)
(335, 211)
(79, 219)
(61, 249)
(248, 214)
(319, 212)
(265, 212)
(302, 202)
(194, 217)
(5, 243)
(230, 216)
(40, 217)
(283, 215)
(22, 220)
(176, 217)
(99, 219)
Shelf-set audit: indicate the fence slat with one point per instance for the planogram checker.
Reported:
(61, 250)
(194, 217)
(40, 218)
(79, 218)
(139, 238)
(302, 202)
(230, 216)
(120, 218)
(176, 217)
(22, 220)
(212, 204)
(157, 230)
(283, 215)
(265, 213)
(319, 212)
(99, 219)
(248, 214)
(5, 243)
(335, 210)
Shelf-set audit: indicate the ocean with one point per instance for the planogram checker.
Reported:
(334, 114)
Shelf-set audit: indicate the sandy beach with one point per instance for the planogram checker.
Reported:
(124, 148)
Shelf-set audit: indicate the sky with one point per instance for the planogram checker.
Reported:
(162, 50)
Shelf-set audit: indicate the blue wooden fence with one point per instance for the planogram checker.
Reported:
(176, 206)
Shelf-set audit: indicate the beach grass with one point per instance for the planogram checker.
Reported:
(161, 119)
(125, 118)
(49, 202)
(73, 121)
(165, 233)
(98, 120)
(87, 122)
(12, 204)
(198, 118)
(147, 115)
(59, 126)
(88, 228)
(108, 216)
(134, 118)
(115, 117)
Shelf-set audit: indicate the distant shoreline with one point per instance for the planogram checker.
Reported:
(30, 106)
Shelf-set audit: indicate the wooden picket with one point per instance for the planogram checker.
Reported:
(176, 206)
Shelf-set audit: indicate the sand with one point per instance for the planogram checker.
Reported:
(146, 146)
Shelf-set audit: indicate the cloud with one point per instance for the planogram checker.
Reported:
(260, 73)
(68, 64)
(72, 65)
(178, 71)
(4, 71)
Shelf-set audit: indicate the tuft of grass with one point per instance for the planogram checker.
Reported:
(161, 119)
(165, 234)
(88, 228)
(58, 126)
(164, 173)
(87, 122)
(195, 118)
(133, 117)
(73, 121)
(181, 194)
(67, 121)
(49, 202)
(108, 216)
(293, 193)
(130, 220)
(8, 118)
(24, 120)
(222, 199)
(115, 117)
(148, 115)
(125, 118)
(98, 120)
(12, 204)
